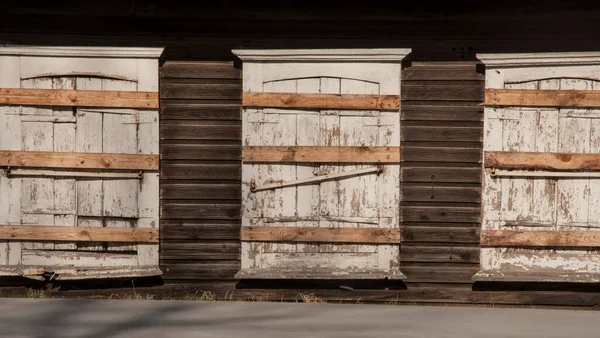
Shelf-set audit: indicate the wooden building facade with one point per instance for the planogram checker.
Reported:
(428, 237)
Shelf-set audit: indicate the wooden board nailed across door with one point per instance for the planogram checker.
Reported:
(306, 194)
(48, 196)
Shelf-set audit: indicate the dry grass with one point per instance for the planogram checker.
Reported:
(310, 298)
(36, 293)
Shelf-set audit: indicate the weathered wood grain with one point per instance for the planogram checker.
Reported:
(206, 91)
(78, 98)
(442, 90)
(320, 235)
(321, 101)
(542, 98)
(440, 234)
(441, 175)
(200, 70)
(540, 160)
(439, 133)
(540, 238)
(79, 234)
(321, 154)
(440, 154)
(78, 160)
(439, 113)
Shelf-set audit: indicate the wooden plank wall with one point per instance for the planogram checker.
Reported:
(441, 171)
(200, 167)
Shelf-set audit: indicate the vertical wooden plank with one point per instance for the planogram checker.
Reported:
(10, 139)
(544, 190)
(519, 131)
(357, 196)
(594, 183)
(307, 197)
(37, 197)
(279, 129)
(120, 196)
(329, 135)
(148, 143)
(574, 136)
(88, 139)
(65, 200)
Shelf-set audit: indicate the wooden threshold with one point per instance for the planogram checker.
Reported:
(321, 101)
(513, 238)
(10, 158)
(320, 235)
(542, 98)
(533, 160)
(78, 234)
(78, 98)
(321, 154)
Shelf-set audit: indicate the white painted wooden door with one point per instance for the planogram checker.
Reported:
(368, 200)
(31, 199)
(541, 203)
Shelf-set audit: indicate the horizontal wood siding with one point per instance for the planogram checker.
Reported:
(200, 190)
(441, 171)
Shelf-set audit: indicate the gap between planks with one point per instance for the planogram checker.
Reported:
(78, 98)
(510, 238)
(78, 234)
(321, 101)
(321, 154)
(542, 98)
(320, 235)
(9, 158)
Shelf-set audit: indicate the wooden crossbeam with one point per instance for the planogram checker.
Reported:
(78, 98)
(78, 234)
(531, 160)
(320, 235)
(510, 238)
(321, 101)
(542, 98)
(321, 154)
(10, 158)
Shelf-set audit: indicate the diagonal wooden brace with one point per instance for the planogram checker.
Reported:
(316, 179)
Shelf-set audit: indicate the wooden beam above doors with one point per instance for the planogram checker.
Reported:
(321, 101)
(78, 98)
(320, 235)
(78, 234)
(510, 238)
(542, 98)
(9, 158)
(533, 160)
(295, 154)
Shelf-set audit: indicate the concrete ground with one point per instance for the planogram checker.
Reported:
(49, 318)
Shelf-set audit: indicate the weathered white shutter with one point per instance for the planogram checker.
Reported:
(368, 199)
(545, 204)
(53, 197)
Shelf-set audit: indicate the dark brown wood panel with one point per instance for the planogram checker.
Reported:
(431, 193)
(442, 90)
(195, 110)
(200, 170)
(173, 170)
(436, 174)
(197, 70)
(429, 133)
(206, 91)
(200, 131)
(441, 171)
(183, 190)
